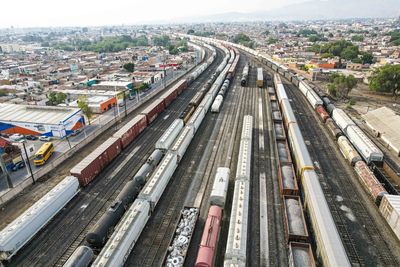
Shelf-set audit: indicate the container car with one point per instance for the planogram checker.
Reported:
(131, 130)
(209, 239)
(369, 182)
(390, 210)
(260, 78)
(220, 187)
(88, 168)
(295, 224)
(153, 110)
(166, 140)
(118, 247)
(300, 255)
(287, 180)
(236, 246)
(16, 234)
(348, 151)
(81, 257)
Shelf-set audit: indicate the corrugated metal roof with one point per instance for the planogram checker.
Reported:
(387, 123)
(35, 114)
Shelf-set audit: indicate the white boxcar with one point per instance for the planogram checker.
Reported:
(244, 160)
(299, 148)
(182, 142)
(237, 235)
(329, 244)
(206, 102)
(216, 106)
(169, 135)
(390, 209)
(155, 186)
(247, 128)
(313, 98)
(368, 150)
(341, 119)
(23, 228)
(128, 230)
(220, 187)
(197, 118)
(287, 112)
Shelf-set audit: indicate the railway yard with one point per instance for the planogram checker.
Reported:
(234, 165)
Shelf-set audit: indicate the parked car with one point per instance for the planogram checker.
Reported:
(16, 137)
(4, 135)
(45, 138)
(31, 137)
(18, 165)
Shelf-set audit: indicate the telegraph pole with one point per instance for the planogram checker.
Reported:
(29, 163)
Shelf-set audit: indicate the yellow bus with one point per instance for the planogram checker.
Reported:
(43, 153)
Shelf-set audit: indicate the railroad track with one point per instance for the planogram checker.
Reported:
(152, 245)
(363, 241)
(55, 244)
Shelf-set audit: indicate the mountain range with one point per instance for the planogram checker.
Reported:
(310, 10)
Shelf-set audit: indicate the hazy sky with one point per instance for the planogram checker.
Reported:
(32, 13)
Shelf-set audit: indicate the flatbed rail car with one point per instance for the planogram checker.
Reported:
(260, 78)
(179, 245)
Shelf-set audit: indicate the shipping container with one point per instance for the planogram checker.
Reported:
(87, 169)
(295, 223)
(131, 130)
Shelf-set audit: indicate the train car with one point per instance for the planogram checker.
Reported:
(155, 186)
(166, 140)
(153, 110)
(245, 75)
(287, 113)
(295, 223)
(287, 180)
(276, 116)
(88, 168)
(390, 210)
(236, 246)
(348, 151)
(322, 113)
(187, 113)
(179, 245)
(329, 245)
(182, 142)
(209, 239)
(300, 255)
(168, 96)
(274, 105)
(118, 247)
(16, 234)
(279, 131)
(180, 86)
(81, 257)
(198, 97)
(369, 181)
(196, 119)
(342, 119)
(131, 130)
(333, 129)
(283, 152)
(260, 78)
(367, 149)
(206, 102)
(217, 104)
(220, 187)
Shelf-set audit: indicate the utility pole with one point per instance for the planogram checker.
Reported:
(29, 163)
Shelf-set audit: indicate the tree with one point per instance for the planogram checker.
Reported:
(367, 58)
(357, 38)
(341, 85)
(129, 67)
(272, 40)
(386, 79)
(191, 31)
(86, 110)
(56, 98)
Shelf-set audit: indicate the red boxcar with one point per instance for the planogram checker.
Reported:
(287, 180)
(322, 113)
(180, 86)
(95, 162)
(295, 224)
(209, 239)
(131, 129)
(169, 96)
(369, 181)
(152, 111)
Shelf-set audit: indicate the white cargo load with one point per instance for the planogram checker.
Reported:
(23, 228)
(169, 135)
(220, 187)
(182, 142)
(390, 209)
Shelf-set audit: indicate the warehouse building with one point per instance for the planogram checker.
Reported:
(385, 124)
(39, 120)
